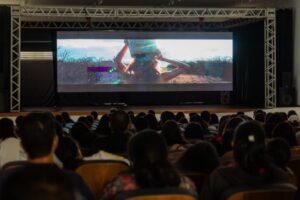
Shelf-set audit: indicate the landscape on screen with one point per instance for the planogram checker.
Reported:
(144, 61)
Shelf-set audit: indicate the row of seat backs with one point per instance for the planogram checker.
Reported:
(276, 191)
(98, 173)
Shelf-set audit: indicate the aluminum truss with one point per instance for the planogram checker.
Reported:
(15, 69)
(270, 59)
(136, 12)
(133, 25)
(130, 18)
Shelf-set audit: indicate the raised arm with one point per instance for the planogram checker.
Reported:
(180, 68)
(121, 67)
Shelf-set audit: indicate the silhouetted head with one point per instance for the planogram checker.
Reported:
(285, 131)
(7, 129)
(249, 148)
(148, 153)
(171, 132)
(94, 114)
(194, 131)
(119, 121)
(38, 135)
(199, 158)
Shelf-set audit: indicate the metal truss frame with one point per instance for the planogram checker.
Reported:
(270, 59)
(136, 18)
(15, 69)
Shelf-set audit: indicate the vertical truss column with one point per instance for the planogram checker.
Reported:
(15, 67)
(270, 58)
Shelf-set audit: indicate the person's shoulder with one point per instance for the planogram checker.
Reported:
(278, 174)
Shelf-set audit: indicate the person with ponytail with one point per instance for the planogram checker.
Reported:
(150, 167)
(251, 167)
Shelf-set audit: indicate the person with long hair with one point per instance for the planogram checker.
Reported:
(251, 163)
(150, 167)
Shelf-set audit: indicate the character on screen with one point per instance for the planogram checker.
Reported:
(144, 67)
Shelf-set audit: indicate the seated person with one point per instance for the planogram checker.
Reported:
(150, 168)
(10, 144)
(39, 140)
(252, 166)
(41, 182)
(200, 158)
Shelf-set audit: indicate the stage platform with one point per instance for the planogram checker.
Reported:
(78, 111)
(82, 111)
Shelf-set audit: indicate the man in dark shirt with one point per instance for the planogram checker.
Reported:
(39, 140)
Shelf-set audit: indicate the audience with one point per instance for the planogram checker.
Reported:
(260, 151)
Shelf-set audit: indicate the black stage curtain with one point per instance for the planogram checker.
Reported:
(248, 61)
(4, 57)
(285, 57)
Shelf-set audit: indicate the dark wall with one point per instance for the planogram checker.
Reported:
(37, 77)
(4, 57)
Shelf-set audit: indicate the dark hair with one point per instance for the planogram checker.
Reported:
(249, 148)
(68, 152)
(179, 116)
(199, 158)
(37, 134)
(260, 117)
(223, 122)
(291, 112)
(81, 133)
(103, 125)
(228, 133)
(38, 182)
(94, 114)
(83, 120)
(152, 121)
(205, 115)
(141, 123)
(195, 118)
(165, 116)
(272, 120)
(119, 122)
(194, 131)
(148, 152)
(19, 121)
(6, 128)
(285, 131)
(279, 151)
(90, 120)
(67, 117)
(172, 133)
(214, 119)
(151, 112)
(60, 119)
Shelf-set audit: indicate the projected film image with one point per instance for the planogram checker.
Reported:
(144, 63)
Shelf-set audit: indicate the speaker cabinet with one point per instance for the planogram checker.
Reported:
(286, 96)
